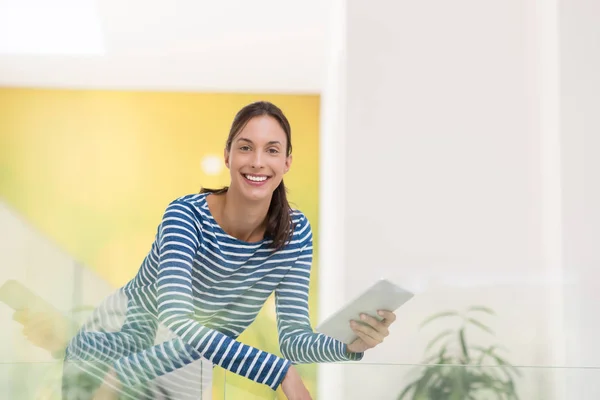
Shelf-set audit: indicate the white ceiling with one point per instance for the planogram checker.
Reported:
(219, 45)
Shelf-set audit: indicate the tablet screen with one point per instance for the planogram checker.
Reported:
(383, 295)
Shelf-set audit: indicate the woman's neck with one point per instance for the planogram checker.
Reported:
(242, 219)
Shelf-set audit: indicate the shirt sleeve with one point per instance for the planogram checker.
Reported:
(297, 341)
(135, 333)
(179, 238)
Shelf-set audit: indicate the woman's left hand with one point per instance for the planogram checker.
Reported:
(109, 390)
(371, 331)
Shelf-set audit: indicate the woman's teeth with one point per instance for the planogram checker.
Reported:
(256, 178)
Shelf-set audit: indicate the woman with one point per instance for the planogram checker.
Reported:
(217, 257)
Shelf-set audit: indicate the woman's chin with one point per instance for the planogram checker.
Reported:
(257, 194)
(256, 191)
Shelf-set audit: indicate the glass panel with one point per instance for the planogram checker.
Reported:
(25, 381)
(445, 382)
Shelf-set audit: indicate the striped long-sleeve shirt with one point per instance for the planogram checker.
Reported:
(207, 287)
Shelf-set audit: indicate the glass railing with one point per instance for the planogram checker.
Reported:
(348, 381)
(57, 380)
(541, 334)
(30, 380)
(388, 381)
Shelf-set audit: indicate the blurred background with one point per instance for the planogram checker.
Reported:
(450, 147)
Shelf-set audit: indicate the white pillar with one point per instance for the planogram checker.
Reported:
(332, 189)
(580, 145)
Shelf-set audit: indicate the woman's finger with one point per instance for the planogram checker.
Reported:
(21, 316)
(37, 323)
(376, 324)
(369, 340)
(368, 331)
(388, 317)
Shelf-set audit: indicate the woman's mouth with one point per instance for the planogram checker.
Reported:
(256, 180)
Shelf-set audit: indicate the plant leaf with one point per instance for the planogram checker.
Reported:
(494, 384)
(447, 379)
(439, 358)
(459, 388)
(439, 315)
(480, 325)
(505, 366)
(482, 309)
(463, 344)
(407, 390)
(437, 339)
(422, 384)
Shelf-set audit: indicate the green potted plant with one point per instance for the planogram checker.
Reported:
(454, 369)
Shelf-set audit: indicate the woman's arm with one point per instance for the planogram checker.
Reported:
(179, 240)
(297, 341)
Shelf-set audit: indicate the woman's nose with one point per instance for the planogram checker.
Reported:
(257, 160)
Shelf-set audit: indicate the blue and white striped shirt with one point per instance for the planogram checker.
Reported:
(207, 287)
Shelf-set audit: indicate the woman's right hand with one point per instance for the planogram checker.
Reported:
(44, 329)
(293, 387)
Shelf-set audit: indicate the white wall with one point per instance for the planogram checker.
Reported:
(448, 180)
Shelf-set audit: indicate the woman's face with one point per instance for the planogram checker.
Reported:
(257, 159)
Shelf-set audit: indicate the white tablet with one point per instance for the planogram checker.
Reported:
(383, 295)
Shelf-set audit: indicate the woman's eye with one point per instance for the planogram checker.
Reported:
(273, 151)
(245, 148)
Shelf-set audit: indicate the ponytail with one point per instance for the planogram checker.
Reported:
(279, 218)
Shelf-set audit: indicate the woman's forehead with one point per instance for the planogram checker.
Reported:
(261, 129)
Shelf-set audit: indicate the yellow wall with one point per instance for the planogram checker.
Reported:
(94, 170)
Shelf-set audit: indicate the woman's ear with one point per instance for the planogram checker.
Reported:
(288, 163)
(226, 156)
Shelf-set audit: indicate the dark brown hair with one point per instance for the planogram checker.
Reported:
(279, 222)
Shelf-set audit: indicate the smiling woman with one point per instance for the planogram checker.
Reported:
(217, 258)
